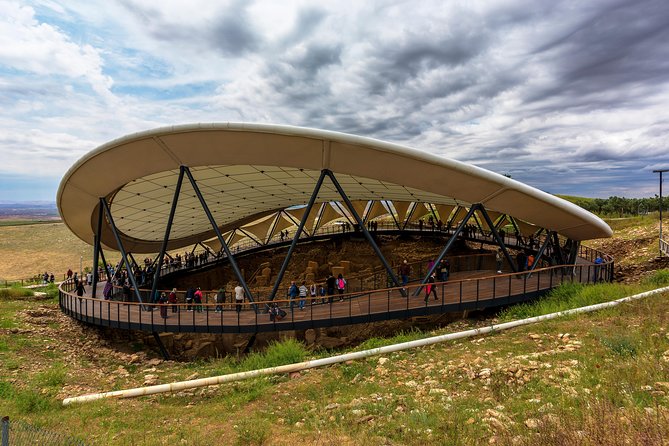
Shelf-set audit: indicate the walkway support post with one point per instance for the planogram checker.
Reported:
(168, 229)
(498, 239)
(364, 230)
(231, 259)
(131, 276)
(449, 243)
(96, 252)
(296, 237)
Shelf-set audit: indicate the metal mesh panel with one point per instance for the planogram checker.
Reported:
(19, 433)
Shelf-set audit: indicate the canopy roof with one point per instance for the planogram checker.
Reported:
(249, 171)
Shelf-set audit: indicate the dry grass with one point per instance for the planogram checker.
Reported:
(27, 250)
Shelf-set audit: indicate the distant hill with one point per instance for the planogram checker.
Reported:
(28, 211)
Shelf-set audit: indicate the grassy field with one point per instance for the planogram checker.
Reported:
(595, 379)
(601, 378)
(28, 250)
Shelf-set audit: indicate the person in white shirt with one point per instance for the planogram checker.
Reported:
(239, 297)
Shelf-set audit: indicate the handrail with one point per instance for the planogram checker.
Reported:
(349, 308)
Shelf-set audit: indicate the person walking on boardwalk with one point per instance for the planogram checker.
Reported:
(430, 288)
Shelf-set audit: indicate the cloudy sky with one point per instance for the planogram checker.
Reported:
(567, 96)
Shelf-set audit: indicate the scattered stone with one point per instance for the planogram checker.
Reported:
(150, 380)
(294, 375)
(532, 423)
(383, 360)
(484, 373)
(332, 406)
(534, 336)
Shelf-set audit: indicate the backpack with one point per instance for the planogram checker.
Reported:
(341, 284)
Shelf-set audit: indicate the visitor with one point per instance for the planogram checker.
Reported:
(80, 289)
(162, 301)
(598, 268)
(239, 297)
(341, 285)
(405, 270)
(293, 292)
(498, 260)
(220, 299)
(303, 290)
(190, 294)
(197, 298)
(313, 292)
(430, 288)
(330, 283)
(444, 269)
(172, 298)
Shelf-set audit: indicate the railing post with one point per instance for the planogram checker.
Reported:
(5, 431)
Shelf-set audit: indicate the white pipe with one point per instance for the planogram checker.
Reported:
(182, 385)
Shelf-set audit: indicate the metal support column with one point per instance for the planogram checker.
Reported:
(168, 229)
(368, 236)
(104, 261)
(96, 252)
(231, 259)
(408, 217)
(161, 346)
(449, 243)
(498, 239)
(131, 277)
(303, 221)
(558, 249)
(392, 214)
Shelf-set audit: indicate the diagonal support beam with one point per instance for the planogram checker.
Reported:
(544, 245)
(168, 229)
(498, 239)
(224, 245)
(448, 246)
(368, 236)
(119, 243)
(296, 237)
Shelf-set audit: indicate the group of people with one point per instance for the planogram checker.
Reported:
(325, 292)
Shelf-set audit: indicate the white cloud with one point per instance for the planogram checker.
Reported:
(531, 88)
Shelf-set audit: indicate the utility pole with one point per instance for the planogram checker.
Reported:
(661, 171)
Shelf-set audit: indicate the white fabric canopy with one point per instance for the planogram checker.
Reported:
(247, 171)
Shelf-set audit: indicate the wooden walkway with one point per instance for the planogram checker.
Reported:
(464, 291)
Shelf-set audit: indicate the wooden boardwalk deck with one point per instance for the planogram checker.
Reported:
(464, 291)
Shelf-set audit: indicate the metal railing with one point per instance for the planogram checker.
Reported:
(664, 247)
(21, 433)
(339, 309)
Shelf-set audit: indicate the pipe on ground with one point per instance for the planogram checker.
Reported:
(202, 382)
